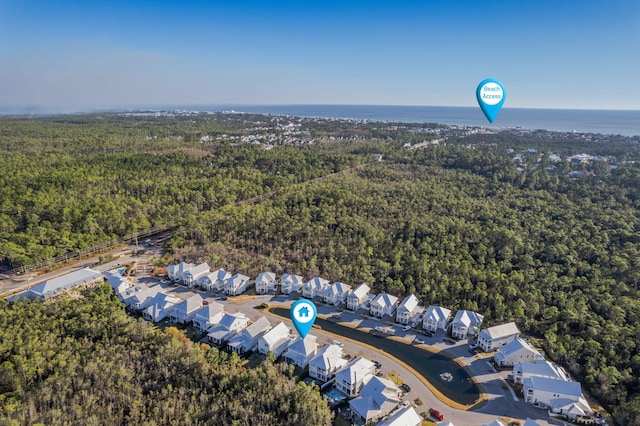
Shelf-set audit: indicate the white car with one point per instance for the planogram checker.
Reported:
(418, 341)
(406, 328)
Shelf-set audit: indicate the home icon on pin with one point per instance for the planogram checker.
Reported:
(303, 312)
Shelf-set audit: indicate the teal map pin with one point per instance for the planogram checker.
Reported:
(303, 314)
(491, 95)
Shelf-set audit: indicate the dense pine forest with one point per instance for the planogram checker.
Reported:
(458, 223)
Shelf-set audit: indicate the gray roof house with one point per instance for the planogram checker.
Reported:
(184, 311)
(237, 284)
(409, 310)
(377, 399)
(465, 323)
(300, 351)
(159, 307)
(357, 298)
(494, 337)
(266, 282)
(276, 340)
(208, 315)
(328, 360)
(191, 276)
(247, 339)
(291, 283)
(336, 293)
(214, 280)
(228, 326)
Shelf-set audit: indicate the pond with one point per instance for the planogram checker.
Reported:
(451, 379)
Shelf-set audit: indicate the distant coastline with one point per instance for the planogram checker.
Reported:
(622, 122)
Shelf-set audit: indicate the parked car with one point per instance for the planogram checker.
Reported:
(406, 328)
(436, 414)
(418, 341)
(405, 404)
(405, 388)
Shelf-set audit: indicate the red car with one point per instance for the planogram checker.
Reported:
(437, 414)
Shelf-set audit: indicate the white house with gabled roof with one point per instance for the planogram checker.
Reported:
(119, 284)
(517, 351)
(175, 272)
(357, 298)
(405, 416)
(436, 317)
(328, 360)
(353, 376)
(159, 307)
(141, 299)
(497, 336)
(276, 340)
(237, 284)
(409, 310)
(208, 316)
(266, 282)
(561, 396)
(383, 304)
(184, 311)
(247, 339)
(377, 399)
(301, 351)
(228, 326)
(291, 283)
(315, 287)
(465, 323)
(336, 293)
(191, 276)
(214, 280)
(539, 368)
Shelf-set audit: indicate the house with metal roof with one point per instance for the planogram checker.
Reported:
(328, 360)
(357, 298)
(465, 323)
(208, 316)
(497, 336)
(247, 339)
(291, 283)
(276, 340)
(377, 399)
(186, 309)
(63, 283)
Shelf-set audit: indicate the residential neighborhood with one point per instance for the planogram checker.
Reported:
(194, 296)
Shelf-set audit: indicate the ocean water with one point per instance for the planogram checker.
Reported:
(617, 122)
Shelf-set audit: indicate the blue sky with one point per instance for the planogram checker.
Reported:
(548, 54)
